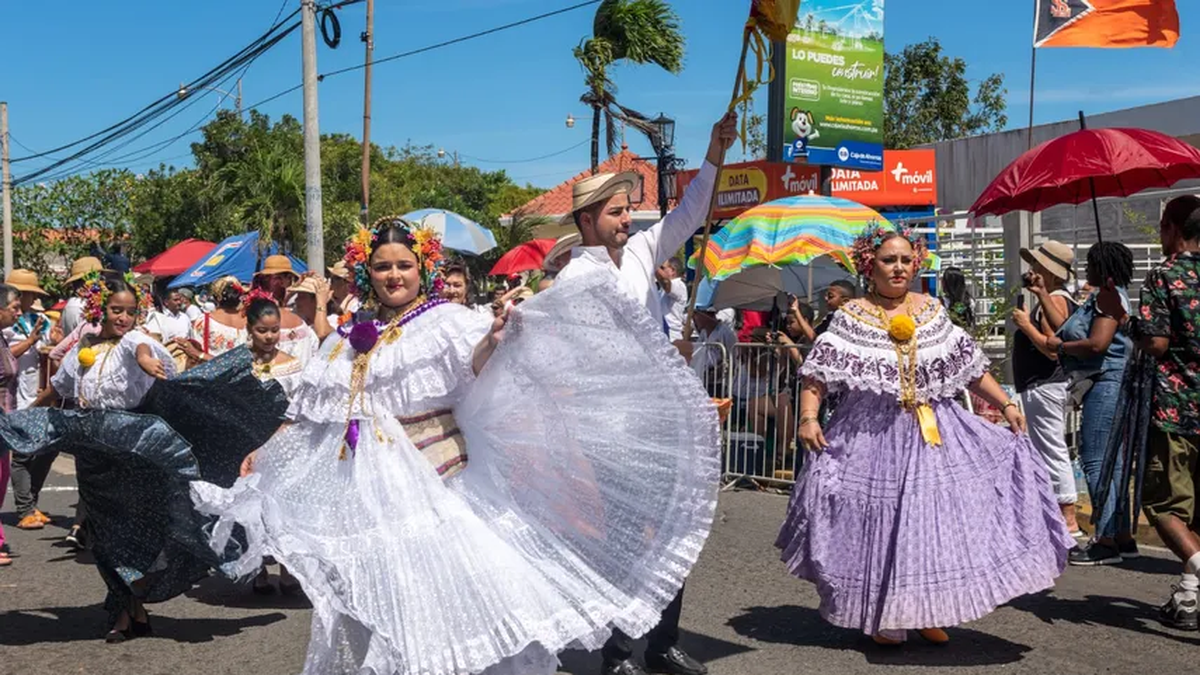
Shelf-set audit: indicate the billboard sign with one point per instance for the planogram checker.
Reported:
(909, 178)
(834, 85)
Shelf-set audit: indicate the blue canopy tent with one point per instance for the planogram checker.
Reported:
(237, 256)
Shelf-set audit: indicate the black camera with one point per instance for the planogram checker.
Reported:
(1027, 280)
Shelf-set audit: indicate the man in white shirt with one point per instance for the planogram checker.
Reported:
(602, 208)
(192, 310)
(673, 294)
(172, 321)
(715, 341)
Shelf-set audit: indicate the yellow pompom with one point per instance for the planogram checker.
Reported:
(902, 328)
(87, 357)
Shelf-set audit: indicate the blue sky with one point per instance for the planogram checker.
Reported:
(76, 67)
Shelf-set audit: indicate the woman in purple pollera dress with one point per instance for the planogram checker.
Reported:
(913, 514)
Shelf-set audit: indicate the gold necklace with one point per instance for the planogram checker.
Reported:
(902, 329)
(358, 368)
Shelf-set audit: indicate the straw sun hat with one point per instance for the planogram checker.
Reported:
(25, 281)
(84, 266)
(599, 188)
(1055, 256)
(276, 264)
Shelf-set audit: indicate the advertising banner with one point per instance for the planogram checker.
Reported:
(909, 178)
(834, 85)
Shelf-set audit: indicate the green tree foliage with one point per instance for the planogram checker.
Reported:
(249, 176)
(59, 221)
(634, 31)
(928, 98)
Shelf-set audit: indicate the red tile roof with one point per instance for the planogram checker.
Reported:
(557, 201)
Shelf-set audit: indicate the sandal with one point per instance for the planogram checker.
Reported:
(5, 559)
(935, 636)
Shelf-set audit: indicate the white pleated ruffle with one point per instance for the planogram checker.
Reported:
(589, 493)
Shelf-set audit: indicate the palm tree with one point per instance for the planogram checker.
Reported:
(637, 31)
(268, 188)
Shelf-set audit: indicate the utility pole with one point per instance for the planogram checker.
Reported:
(6, 177)
(314, 227)
(368, 37)
(239, 98)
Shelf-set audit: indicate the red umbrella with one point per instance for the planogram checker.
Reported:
(523, 258)
(1087, 164)
(176, 259)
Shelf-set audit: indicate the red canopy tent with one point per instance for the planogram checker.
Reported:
(176, 259)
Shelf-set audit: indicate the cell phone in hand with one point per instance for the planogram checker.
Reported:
(1021, 302)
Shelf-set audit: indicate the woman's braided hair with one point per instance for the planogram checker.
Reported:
(1110, 260)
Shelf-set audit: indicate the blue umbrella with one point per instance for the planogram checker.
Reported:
(458, 233)
(237, 256)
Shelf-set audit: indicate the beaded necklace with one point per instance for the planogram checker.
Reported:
(902, 328)
(364, 337)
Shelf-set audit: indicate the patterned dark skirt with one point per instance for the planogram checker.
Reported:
(133, 470)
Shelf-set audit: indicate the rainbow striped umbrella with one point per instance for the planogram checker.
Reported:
(789, 231)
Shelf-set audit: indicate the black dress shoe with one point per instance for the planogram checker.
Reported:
(626, 667)
(674, 661)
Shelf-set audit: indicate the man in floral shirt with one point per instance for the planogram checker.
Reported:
(1169, 330)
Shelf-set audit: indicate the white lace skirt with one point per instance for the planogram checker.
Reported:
(589, 493)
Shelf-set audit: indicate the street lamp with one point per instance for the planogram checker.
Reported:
(441, 154)
(570, 121)
(184, 92)
(665, 127)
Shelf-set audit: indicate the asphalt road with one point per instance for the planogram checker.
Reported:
(743, 616)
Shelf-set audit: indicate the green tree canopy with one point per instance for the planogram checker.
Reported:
(248, 176)
(927, 98)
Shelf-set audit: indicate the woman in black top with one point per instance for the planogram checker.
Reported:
(1040, 381)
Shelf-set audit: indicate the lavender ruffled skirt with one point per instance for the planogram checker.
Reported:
(899, 535)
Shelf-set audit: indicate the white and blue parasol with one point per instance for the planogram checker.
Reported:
(459, 233)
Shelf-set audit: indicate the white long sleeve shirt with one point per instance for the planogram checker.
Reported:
(645, 251)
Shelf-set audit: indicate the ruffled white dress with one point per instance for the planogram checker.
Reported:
(115, 381)
(289, 376)
(592, 465)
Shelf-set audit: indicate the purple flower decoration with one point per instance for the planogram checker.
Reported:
(364, 336)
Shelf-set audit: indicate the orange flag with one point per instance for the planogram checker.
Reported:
(1106, 23)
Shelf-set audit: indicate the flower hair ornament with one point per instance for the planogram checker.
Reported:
(425, 242)
(862, 251)
(257, 294)
(96, 294)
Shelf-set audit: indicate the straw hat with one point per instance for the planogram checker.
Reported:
(306, 285)
(277, 264)
(339, 270)
(561, 247)
(25, 281)
(1055, 256)
(600, 187)
(38, 307)
(84, 266)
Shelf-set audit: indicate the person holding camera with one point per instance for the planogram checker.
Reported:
(1040, 381)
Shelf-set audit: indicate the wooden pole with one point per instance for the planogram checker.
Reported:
(712, 200)
(368, 37)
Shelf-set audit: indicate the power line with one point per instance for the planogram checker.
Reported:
(531, 159)
(438, 45)
(220, 75)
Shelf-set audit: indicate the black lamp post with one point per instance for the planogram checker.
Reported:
(663, 140)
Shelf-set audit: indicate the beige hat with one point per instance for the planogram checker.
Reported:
(25, 281)
(38, 307)
(600, 187)
(277, 264)
(84, 266)
(306, 285)
(1055, 256)
(339, 270)
(561, 247)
